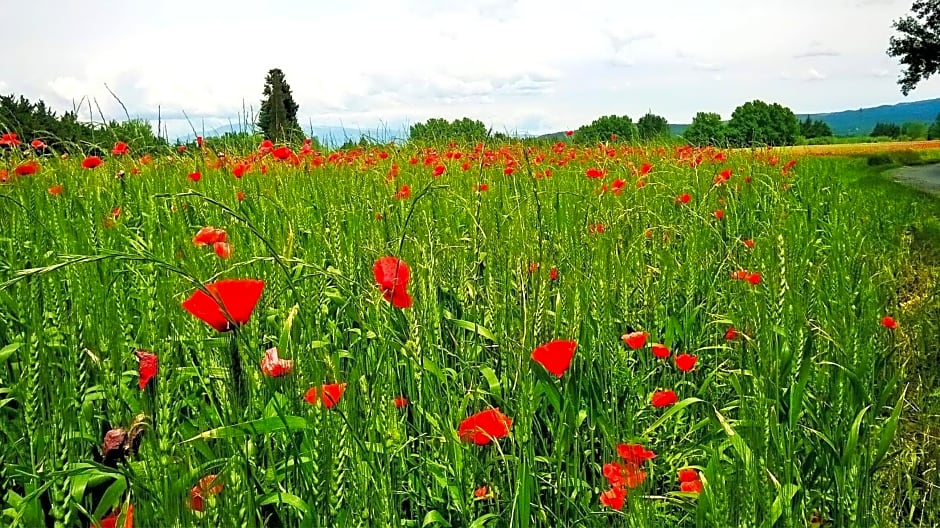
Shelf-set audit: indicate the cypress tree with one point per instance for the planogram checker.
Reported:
(278, 116)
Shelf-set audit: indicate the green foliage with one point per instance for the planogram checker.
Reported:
(757, 123)
(706, 129)
(811, 128)
(37, 121)
(890, 130)
(606, 128)
(915, 130)
(652, 127)
(277, 118)
(934, 131)
(439, 130)
(918, 43)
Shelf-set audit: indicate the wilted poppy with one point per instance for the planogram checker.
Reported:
(205, 488)
(237, 296)
(555, 356)
(484, 427)
(635, 340)
(731, 334)
(686, 362)
(146, 367)
(392, 276)
(663, 398)
(273, 366)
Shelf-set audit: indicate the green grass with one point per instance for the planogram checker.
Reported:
(808, 413)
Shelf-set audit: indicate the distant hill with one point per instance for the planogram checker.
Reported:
(860, 122)
(851, 122)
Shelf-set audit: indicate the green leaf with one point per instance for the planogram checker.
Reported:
(7, 351)
(434, 518)
(480, 522)
(491, 380)
(668, 414)
(854, 432)
(886, 436)
(256, 427)
(111, 497)
(282, 497)
(783, 500)
(473, 327)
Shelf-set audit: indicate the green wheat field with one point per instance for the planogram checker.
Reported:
(752, 339)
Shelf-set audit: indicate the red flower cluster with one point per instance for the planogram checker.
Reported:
(216, 238)
(330, 393)
(745, 275)
(689, 481)
(625, 475)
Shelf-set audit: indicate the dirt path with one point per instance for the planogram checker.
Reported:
(925, 177)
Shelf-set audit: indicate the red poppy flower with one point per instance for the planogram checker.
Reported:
(719, 214)
(508, 171)
(56, 190)
(664, 398)
(400, 402)
(686, 362)
(595, 173)
(626, 474)
(731, 334)
(281, 153)
(748, 243)
(687, 475)
(240, 196)
(199, 141)
(568, 133)
(754, 278)
(330, 393)
(403, 193)
(660, 350)
(222, 249)
(555, 356)
(112, 520)
(635, 453)
(237, 296)
(195, 176)
(484, 427)
(889, 322)
(3, 175)
(120, 148)
(483, 187)
(205, 488)
(266, 146)
(683, 198)
(37, 144)
(9, 140)
(635, 340)
(614, 498)
(91, 162)
(481, 492)
(392, 275)
(693, 486)
(438, 170)
(240, 170)
(146, 367)
(209, 235)
(646, 168)
(553, 274)
(27, 168)
(273, 366)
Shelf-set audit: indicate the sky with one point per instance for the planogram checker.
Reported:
(520, 66)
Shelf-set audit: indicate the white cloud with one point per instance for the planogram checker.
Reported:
(513, 64)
